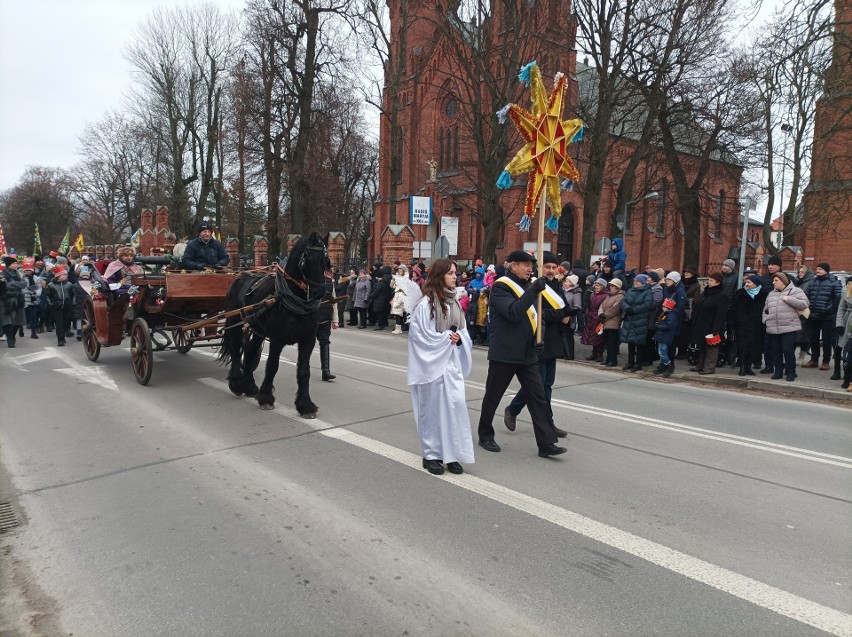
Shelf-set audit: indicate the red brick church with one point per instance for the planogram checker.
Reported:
(434, 145)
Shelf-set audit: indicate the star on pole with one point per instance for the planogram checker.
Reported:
(545, 154)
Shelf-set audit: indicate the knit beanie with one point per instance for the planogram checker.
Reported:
(617, 283)
(730, 263)
(755, 279)
(641, 278)
(825, 267)
(775, 260)
(782, 277)
(601, 282)
(717, 276)
(673, 276)
(654, 276)
(573, 278)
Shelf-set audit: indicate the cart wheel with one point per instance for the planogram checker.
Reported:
(90, 331)
(182, 340)
(141, 352)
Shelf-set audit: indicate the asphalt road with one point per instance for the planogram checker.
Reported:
(179, 509)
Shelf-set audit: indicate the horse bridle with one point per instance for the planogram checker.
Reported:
(305, 282)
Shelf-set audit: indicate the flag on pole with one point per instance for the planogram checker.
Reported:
(79, 243)
(134, 240)
(2, 241)
(63, 247)
(37, 243)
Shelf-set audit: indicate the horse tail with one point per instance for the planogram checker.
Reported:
(232, 341)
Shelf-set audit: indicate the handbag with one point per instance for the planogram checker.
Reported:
(599, 330)
(804, 314)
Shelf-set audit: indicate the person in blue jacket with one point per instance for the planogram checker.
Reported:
(204, 251)
(669, 321)
(617, 257)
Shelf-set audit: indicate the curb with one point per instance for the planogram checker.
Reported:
(778, 387)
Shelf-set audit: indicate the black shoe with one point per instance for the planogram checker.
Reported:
(611, 365)
(328, 376)
(362, 327)
(560, 433)
(660, 369)
(550, 450)
(790, 379)
(704, 372)
(835, 376)
(61, 344)
(378, 328)
(669, 370)
(635, 368)
(742, 372)
(489, 445)
(33, 335)
(749, 372)
(628, 367)
(777, 376)
(454, 467)
(767, 370)
(433, 466)
(694, 369)
(509, 419)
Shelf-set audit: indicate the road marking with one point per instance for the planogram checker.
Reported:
(763, 595)
(26, 359)
(634, 419)
(94, 374)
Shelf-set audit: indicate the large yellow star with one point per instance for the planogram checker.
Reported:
(545, 154)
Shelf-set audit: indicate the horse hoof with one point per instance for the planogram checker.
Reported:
(310, 416)
(267, 406)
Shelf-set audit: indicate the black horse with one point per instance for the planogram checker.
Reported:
(294, 318)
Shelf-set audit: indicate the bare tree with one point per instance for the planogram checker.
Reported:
(43, 196)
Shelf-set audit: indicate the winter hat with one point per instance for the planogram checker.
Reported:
(755, 279)
(573, 278)
(85, 257)
(9, 260)
(602, 282)
(402, 267)
(59, 270)
(674, 277)
(416, 271)
(28, 264)
(782, 277)
(566, 265)
(204, 226)
(590, 280)
(691, 270)
(775, 260)
(125, 250)
(641, 278)
(490, 268)
(718, 277)
(825, 267)
(617, 283)
(730, 263)
(654, 276)
(519, 256)
(60, 260)
(549, 257)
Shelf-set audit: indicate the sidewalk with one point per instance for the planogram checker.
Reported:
(811, 383)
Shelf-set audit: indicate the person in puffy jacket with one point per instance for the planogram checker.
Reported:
(616, 258)
(709, 324)
(843, 331)
(824, 297)
(12, 314)
(204, 251)
(669, 321)
(32, 295)
(61, 295)
(610, 315)
(362, 297)
(637, 306)
(781, 318)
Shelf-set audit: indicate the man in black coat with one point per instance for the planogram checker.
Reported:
(710, 313)
(204, 251)
(380, 297)
(824, 297)
(554, 346)
(512, 353)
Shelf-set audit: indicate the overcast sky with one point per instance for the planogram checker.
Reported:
(62, 66)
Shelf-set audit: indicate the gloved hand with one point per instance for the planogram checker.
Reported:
(839, 330)
(539, 349)
(539, 284)
(601, 317)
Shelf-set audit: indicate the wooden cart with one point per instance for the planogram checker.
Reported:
(169, 310)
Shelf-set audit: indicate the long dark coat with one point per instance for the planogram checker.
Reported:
(637, 305)
(746, 315)
(590, 337)
(710, 312)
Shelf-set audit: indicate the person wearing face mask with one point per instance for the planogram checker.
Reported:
(708, 327)
(781, 318)
(746, 316)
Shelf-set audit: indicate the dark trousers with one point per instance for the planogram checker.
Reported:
(547, 371)
(62, 322)
(353, 316)
(824, 327)
(496, 383)
(324, 333)
(32, 312)
(611, 340)
(707, 357)
(381, 317)
(635, 353)
(784, 350)
(362, 316)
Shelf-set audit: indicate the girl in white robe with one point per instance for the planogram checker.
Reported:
(439, 359)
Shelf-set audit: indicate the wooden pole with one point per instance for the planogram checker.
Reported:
(540, 261)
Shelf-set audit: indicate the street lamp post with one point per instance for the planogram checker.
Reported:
(786, 129)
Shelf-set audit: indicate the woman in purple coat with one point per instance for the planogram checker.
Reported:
(590, 335)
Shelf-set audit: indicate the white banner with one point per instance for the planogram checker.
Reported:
(450, 229)
(421, 211)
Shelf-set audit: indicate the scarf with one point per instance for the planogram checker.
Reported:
(454, 312)
(754, 291)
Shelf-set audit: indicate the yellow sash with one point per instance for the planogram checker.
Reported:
(518, 290)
